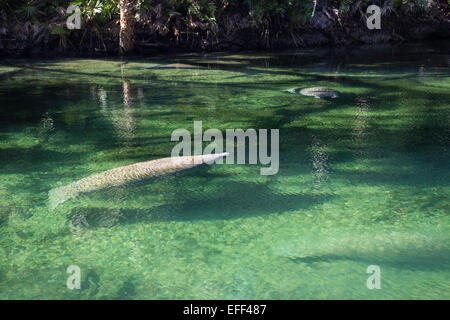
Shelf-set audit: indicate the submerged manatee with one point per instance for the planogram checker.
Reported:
(174, 66)
(415, 250)
(316, 92)
(128, 174)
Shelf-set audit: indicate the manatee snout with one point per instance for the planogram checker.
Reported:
(211, 158)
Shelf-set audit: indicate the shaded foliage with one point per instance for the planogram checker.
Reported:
(208, 24)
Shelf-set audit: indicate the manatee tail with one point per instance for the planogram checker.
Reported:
(58, 195)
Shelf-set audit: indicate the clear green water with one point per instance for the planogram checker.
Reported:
(363, 179)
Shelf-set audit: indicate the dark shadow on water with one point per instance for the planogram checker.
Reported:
(126, 292)
(34, 158)
(392, 177)
(307, 78)
(435, 260)
(236, 200)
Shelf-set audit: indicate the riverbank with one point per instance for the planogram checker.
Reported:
(233, 29)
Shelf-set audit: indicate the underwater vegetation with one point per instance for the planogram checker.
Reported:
(363, 179)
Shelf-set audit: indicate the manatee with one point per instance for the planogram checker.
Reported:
(394, 248)
(128, 174)
(174, 66)
(317, 92)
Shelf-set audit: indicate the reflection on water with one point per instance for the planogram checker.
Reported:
(363, 178)
(421, 70)
(319, 163)
(121, 118)
(46, 127)
(127, 125)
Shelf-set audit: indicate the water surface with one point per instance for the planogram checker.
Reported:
(363, 179)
